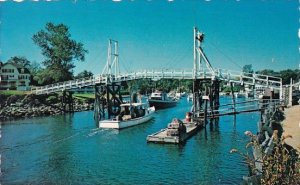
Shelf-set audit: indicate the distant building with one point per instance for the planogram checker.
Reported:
(14, 77)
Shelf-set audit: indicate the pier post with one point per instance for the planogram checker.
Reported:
(100, 102)
(197, 98)
(233, 97)
(205, 112)
(67, 102)
(114, 99)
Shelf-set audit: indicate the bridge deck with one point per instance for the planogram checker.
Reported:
(224, 75)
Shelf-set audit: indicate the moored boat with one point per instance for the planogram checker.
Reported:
(178, 131)
(161, 100)
(131, 114)
(190, 97)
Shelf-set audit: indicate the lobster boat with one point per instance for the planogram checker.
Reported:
(131, 114)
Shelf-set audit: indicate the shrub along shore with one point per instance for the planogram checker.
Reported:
(18, 106)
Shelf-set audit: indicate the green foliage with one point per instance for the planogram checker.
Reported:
(248, 68)
(84, 74)
(59, 51)
(35, 69)
(282, 167)
(20, 60)
(52, 99)
(13, 92)
(52, 75)
(286, 75)
(227, 89)
(145, 86)
(89, 96)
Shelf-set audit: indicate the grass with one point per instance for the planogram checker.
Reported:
(84, 96)
(14, 92)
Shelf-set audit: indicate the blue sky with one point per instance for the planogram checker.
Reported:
(159, 33)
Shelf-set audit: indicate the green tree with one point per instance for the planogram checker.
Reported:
(19, 60)
(84, 74)
(60, 52)
(248, 68)
(286, 75)
(268, 72)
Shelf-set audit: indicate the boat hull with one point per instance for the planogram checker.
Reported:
(160, 104)
(117, 124)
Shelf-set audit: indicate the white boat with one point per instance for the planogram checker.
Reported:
(131, 114)
(180, 95)
(190, 97)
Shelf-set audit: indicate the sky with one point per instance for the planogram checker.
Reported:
(159, 33)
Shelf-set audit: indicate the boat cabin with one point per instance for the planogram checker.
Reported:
(131, 111)
(159, 96)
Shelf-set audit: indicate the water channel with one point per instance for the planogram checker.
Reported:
(70, 149)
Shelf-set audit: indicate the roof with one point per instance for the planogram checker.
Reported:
(19, 68)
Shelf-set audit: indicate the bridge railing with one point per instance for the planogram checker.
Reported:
(226, 75)
(249, 78)
(67, 85)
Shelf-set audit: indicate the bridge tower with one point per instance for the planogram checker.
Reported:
(108, 95)
(205, 89)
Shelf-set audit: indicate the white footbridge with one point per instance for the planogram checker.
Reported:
(202, 69)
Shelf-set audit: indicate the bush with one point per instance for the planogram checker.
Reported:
(281, 167)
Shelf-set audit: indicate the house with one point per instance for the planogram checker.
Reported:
(14, 77)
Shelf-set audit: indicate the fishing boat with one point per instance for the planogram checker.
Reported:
(161, 100)
(131, 114)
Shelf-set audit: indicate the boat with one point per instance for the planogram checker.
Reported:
(190, 97)
(178, 131)
(161, 100)
(131, 114)
(180, 95)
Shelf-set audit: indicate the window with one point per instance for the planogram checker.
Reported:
(8, 70)
(3, 82)
(23, 77)
(13, 83)
(4, 77)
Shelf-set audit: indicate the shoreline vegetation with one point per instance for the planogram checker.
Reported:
(274, 161)
(17, 105)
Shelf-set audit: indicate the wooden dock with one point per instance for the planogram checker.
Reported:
(162, 136)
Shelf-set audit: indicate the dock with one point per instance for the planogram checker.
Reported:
(164, 136)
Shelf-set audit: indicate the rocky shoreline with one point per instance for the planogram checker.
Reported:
(26, 106)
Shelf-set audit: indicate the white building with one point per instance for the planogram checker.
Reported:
(14, 77)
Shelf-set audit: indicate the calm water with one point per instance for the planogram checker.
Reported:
(72, 150)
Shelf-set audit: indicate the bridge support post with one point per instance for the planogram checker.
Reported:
(214, 96)
(100, 102)
(233, 97)
(114, 99)
(67, 102)
(210, 89)
(197, 97)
